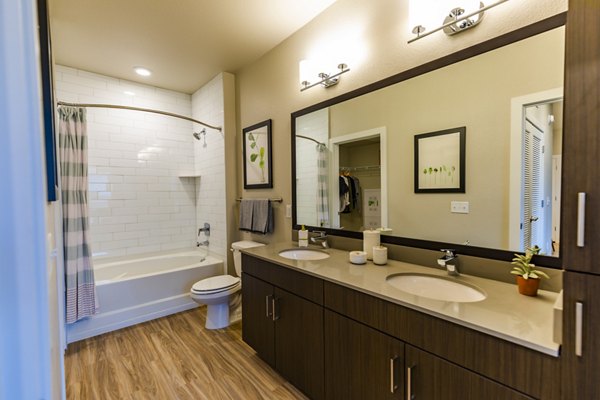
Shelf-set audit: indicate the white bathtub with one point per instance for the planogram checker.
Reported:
(131, 291)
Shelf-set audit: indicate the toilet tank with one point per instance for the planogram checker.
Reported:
(237, 256)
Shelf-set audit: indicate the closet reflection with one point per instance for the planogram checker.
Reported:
(359, 185)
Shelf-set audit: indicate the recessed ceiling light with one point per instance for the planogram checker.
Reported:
(142, 71)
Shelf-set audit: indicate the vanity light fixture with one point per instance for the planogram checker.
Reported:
(326, 80)
(460, 17)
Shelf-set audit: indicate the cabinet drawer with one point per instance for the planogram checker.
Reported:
(298, 283)
(525, 370)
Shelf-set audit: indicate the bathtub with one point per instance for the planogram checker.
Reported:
(134, 290)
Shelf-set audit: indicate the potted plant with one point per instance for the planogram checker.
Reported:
(528, 277)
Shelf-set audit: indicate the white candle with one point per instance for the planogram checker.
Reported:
(380, 255)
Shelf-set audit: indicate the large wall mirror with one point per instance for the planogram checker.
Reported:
(354, 156)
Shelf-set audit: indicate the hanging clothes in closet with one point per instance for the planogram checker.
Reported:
(349, 193)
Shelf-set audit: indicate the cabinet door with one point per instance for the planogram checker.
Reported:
(299, 342)
(430, 377)
(581, 164)
(361, 362)
(581, 363)
(258, 328)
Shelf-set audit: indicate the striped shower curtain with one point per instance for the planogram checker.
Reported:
(79, 273)
(322, 186)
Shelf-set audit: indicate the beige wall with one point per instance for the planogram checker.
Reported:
(475, 93)
(372, 38)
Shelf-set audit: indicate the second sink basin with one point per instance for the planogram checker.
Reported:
(303, 254)
(436, 287)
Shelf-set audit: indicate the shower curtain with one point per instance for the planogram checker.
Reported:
(322, 189)
(79, 272)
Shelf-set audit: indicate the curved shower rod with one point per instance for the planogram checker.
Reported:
(309, 138)
(86, 105)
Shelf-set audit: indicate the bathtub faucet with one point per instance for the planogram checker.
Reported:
(205, 243)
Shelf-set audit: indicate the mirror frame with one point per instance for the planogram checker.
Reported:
(536, 28)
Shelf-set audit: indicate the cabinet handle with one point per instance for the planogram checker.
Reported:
(580, 219)
(268, 303)
(393, 385)
(275, 317)
(409, 395)
(578, 328)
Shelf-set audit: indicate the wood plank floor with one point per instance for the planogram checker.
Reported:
(173, 357)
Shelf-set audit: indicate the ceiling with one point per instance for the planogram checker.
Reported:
(185, 43)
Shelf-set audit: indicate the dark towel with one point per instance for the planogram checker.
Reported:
(256, 216)
(262, 216)
(246, 208)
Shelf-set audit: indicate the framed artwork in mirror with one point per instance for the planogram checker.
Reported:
(258, 173)
(440, 161)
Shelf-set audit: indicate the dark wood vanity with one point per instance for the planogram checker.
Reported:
(333, 342)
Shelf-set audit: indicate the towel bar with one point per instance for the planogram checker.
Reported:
(276, 200)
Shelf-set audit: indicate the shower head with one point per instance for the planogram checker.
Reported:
(197, 136)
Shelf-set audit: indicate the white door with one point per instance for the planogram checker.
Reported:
(532, 222)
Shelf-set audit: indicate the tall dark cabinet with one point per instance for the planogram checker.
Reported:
(581, 253)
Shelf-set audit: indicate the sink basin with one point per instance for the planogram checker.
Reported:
(436, 287)
(303, 254)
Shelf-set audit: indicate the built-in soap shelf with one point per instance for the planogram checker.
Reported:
(189, 175)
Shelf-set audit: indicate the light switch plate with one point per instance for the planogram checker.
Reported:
(459, 207)
(288, 211)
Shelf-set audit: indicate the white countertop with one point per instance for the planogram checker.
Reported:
(504, 313)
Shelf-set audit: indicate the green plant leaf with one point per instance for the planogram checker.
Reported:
(252, 145)
(251, 136)
(253, 157)
(262, 152)
(261, 163)
(542, 274)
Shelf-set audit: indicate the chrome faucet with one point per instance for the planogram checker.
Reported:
(321, 238)
(449, 261)
(206, 230)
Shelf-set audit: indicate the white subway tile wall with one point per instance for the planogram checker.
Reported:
(314, 125)
(138, 202)
(209, 151)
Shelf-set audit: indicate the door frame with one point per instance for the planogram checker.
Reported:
(334, 148)
(517, 119)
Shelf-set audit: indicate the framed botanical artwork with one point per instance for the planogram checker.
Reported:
(258, 172)
(440, 161)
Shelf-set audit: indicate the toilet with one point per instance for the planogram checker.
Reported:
(217, 291)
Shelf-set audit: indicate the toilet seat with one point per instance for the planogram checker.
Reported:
(215, 284)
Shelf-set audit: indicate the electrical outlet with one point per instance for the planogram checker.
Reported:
(459, 207)
(288, 211)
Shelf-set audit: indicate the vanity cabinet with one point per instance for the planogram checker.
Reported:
(258, 327)
(516, 367)
(451, 381)
(581, 144)
(581, 344)
(285, 328)
(333, 342)
(361, 362)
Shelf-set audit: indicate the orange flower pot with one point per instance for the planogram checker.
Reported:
(528, 287)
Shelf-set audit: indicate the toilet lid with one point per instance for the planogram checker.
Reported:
(215, 283)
